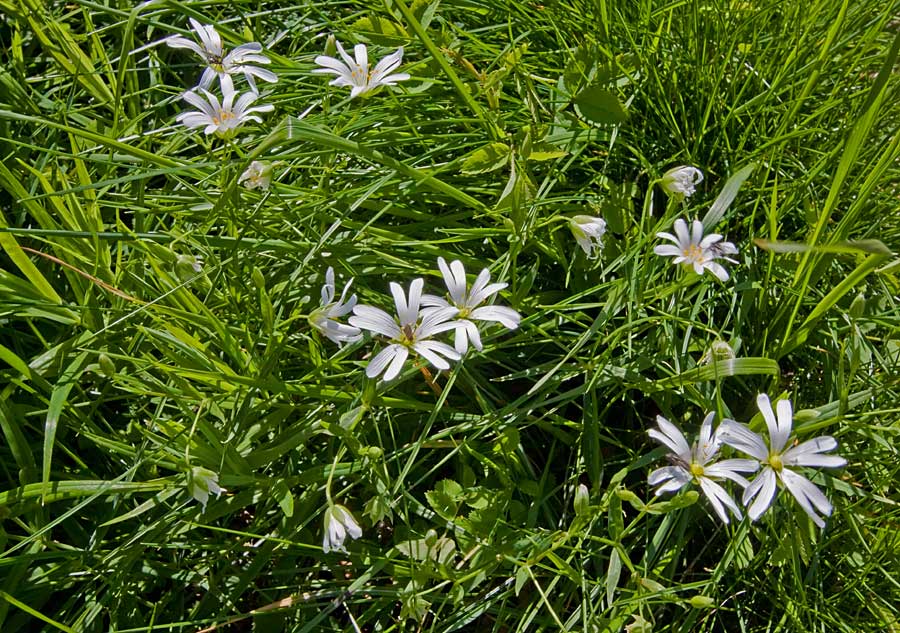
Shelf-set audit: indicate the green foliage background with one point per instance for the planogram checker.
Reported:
(122, 368)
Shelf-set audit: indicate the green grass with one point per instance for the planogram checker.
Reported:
(121, 368)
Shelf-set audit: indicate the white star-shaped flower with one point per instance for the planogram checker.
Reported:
(776, 461)
(222, 118)
(696, 250)
(681, 182)
(695, 464)
(411, 330)
(355, 72)
(324, 317)
(468, 302)
(203, 482)
(258, 175)
(339, 524)
(220, 64)
(588, 231)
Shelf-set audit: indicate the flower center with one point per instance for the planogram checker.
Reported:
(223, 117)
(693, 253)
(775, 462)
(696, 469)
(407, 335)
(360, 75)
(215, 62)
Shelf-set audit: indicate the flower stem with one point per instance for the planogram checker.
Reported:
(436, 388)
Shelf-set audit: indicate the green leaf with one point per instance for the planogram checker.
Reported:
(600, 106)
(285, 499)
(726, 197)
(541, 151)
(381, 31)
(613, 571)
(57, 401)
(485, 159)
(849, 247)
(727, 367)
(684, 500)
(445, 498)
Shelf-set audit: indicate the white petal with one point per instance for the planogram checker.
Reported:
(672, 437)
(785, 422)
(501, 314)
(396, 365)
(719, 499)
(763, 488)
(381, 360)
(433, 301)
(454, 278)
(435, 320)
(743, 439)
(667, 250)
(808, 454)
(374, 320)
(438, 348)
(807, 495)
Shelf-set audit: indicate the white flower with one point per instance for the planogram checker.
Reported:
(467, 303)
(777, 460)
(323, 317)
(680, 182)
(693, 464)
(218, 63)
(201, 483)
(355, 73)
(412, 333)
(222, 118)
(339, 524)
(696, 250)
(588, 232)
(257, 176)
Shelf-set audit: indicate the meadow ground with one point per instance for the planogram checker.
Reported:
(204, 429)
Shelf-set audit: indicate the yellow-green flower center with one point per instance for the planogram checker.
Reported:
(775, 462)
(696, 469)
(407, 335)
(223, 116)
(693, 253)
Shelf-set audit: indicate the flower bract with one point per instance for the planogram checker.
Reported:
(355, 72)
(693, 249)
(778, 461)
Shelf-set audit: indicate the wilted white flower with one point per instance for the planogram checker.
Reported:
(219, 63)
(588, 232)
(258, 175)
(467, 303)
(355, 73)
(776, 461)
(680, 182)
(225, 117)
(695, 464)
(413, 332)
(339, 524)
(323, 317)
(202, 482)
(693, 249)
